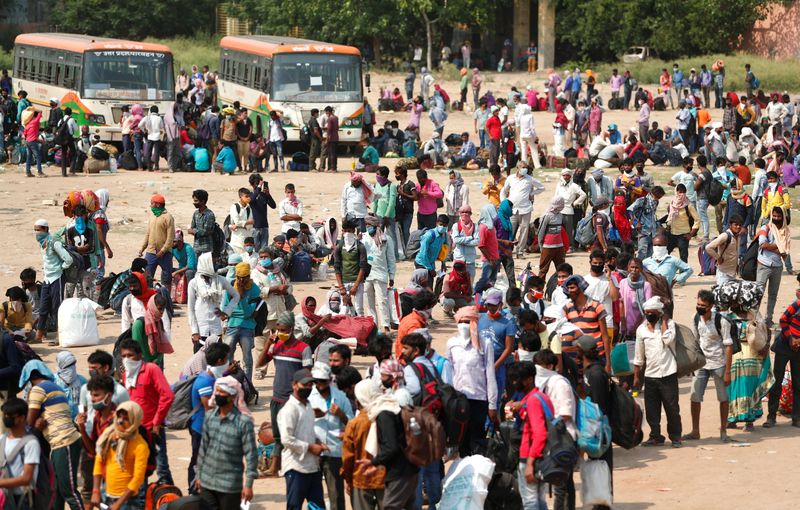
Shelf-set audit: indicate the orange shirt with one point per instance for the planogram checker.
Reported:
(743, 172)
(353, 449)
(408, 324)
(703, 117)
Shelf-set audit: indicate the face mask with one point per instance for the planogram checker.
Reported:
(99, 406)
(349, 238)
(8, 421)
(222, 400)
(265, 262)
(157, 211)
(598, 178)
(355, 184)
(777, 223)
(407, 359)
(652, 318)
(701, 310)
(523, 171)
(80, 225)
(371, 231)
(773, 186)
(514, 310)
(198, 205)
(538, 294)
(597, 268)
(440, 229)
(336, 370)
(611, 267)
(93, 373)
(248, 249)
(41, 237)
(132, 367)
(16, 306)
(334, 306)
(387, 384)
(494, 315)
(219, 371)
(283, 336)
(659, 252)
(304, 393)
(463, 329)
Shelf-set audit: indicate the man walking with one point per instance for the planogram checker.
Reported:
(157, 244)
(203, 222)
(520, 189)
(773, 248)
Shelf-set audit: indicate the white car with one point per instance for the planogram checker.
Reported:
(638, 54)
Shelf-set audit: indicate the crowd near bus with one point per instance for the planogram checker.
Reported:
(543, 371)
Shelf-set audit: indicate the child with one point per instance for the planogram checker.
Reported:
(534, 296)
(266, 443)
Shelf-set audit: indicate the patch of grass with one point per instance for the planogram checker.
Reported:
(774, 74)
(199, 50)
(6, 59)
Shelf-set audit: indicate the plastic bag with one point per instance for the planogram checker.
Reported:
(77, 323)
(467, 483)
(393, 299)
(595, 483)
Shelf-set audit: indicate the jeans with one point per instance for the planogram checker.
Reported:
(773, 275)
(488, 276)
(127, 143)
(376, 291)
(333, 481)
(67, 155)
(302, 487)
(702, 210)
(276, 149)
(431, 477)
(367, 499)
(274, 408)
(174, 155)
(494, 151)
(314, 152)
(700, 383)
(569, 225)
(162, 460)
(214, 500)
(476, 96)
(261, 238)
(534, 495)
(164, 262)
(65, 466)
(50, 299)
(391, 231)
(564, 495)
(34, 153)
(474, 441)
(152, 154)
(484, 138)
(779, 369)
(520, 223)
(405, 228)
(137, 150)
(645, 247)
(333, 158)
(657, 392)
(681, 243)
(196, 438)
(245, 338)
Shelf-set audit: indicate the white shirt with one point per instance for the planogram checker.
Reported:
(473, 372)
(203, 320)
(296, 425)
(275, 133)
(572, 195)
(152, 124)
(381, 260)
(558, 388)
(132, 309)
(239, 216)
(600, 291)
(29, 455)
(520, 191)
(284, 208)
(655, 348)
(352, 201)
(526, 125)
(450, 198)
(711, 343)
(503, 116)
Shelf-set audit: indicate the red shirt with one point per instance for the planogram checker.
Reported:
(494, 127)
(487, 239)
(332, 128)
(153, 394)
(534, 430)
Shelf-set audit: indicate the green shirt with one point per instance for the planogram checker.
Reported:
(139, 335)
(385, 205)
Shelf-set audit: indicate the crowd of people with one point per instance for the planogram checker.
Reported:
(531, 348)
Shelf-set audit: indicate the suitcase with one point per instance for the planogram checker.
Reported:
(555, 162)
(186, 503)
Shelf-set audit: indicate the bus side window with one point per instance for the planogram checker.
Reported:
(266, 81)
(59, 75)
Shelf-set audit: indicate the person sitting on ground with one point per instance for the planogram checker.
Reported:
(186, 257)
(16, 314)
(456, 289)
(436, 149)
(467, 153)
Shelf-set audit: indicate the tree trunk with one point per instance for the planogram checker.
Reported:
(376, 50)
(429, 37)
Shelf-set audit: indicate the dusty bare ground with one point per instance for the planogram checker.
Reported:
(703, 474)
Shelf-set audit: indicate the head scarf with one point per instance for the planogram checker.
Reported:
(415, 284)
(147, 292)
(597, 172)
(286, 319)
(556, 206)
(577, 280)
(291, 196)
(504, 212)
(654, 303)
(242, 269)
(34, 365)
(638, 287)
(487, 217)
(365, 189)
(679, 202)
(137, 111)
(457, 184)
(393, 368)
(465, 223)
(232, 387)
(470, 313)
(372, 221)
(102, 199)
(330, 235)
(209, 287)
(781, 234)
(68, 377)
(74, 198)
(459, 283)
(113, 436)
(366, 392)
(157, 339)
(178, 234)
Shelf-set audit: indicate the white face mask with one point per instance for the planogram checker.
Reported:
(525, 355)
(16, 306)
(349, 238)
(463, 329)
(219, 371)
(523, 171)
(773, 186)
(132, 367)
(659, 252)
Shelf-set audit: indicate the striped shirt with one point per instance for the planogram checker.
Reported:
(587, 319)
(289, 358)
(52, 401)
(225, 442)
(790, 324)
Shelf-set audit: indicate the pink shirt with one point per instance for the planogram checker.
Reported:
(534, 430)
(427, 205)
(487, 239)
(32, 128)
(616, 82)
(416, 113)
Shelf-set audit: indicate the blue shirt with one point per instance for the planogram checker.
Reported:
(677, 78)
(242, 315)
(228, 159)
(614, 137)
(203, 386)
(328, 428)
(201, 159)
(725, 177)
(671, 268)
(185, 257)
(644, 211)
(429, 247)
(465, 246)
(766, 257)
(496, 331)
(468, 150)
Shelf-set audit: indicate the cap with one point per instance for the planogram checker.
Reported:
(321, 371)
(612, 127)
(459, 263)
(159, 199)
(493, 297)
(54, 100)
(586, 343)
(494, 108)
(302, 376)
(41, 223)
(716, 125)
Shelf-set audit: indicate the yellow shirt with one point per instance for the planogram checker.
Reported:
(18, 320)
(118, 479)
(493, 193)
(775, 199)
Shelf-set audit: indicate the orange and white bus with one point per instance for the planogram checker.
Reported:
(294, 76)
(93, 76)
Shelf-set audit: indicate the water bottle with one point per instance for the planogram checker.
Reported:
(414, 426)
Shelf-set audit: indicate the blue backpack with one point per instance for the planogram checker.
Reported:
(594, 430)
(300, 268)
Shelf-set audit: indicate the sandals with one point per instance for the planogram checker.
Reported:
(689, 437)
(654, 442)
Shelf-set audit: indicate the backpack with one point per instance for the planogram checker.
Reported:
(127, 161)
(226, 228)
(412, 246)
(714, 191)
(300, 268)
(424, 436)
(62, 135)
(594, 431)
(305, 134)
(503, 492)
(160, 494)
(626, 418)
(181, 410)
(453, 139)
(204, 132)
(560, 455)
(250, 391)
(688, 355)
(660, 288)
(585, 234)
(749, 264)
(452, 405)
(755, 83)
(106, 285)
(43, 494)
(718, 318)
(99, 154)
(72, 273)
(218, 239)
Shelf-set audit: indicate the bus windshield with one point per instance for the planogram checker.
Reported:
(128, 75)
(316, 78)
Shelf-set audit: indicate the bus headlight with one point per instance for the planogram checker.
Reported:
(286, 122)
(348, 122)
(96, 119)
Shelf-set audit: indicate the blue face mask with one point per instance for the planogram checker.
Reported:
(440, 229)
(371, 231)
(41, 236)
(80, 225)
(248, 249)
(265, 262)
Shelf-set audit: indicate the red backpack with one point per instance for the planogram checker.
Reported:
(428, 396)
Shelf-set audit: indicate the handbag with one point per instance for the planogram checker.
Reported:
(179, 290)
(621, 359)
(595, 483)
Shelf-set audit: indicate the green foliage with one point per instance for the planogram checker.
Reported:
(6, 59)
(200, 50)
(134, 19)
(606, 28)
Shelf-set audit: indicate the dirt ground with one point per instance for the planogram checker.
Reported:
(703, 474)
